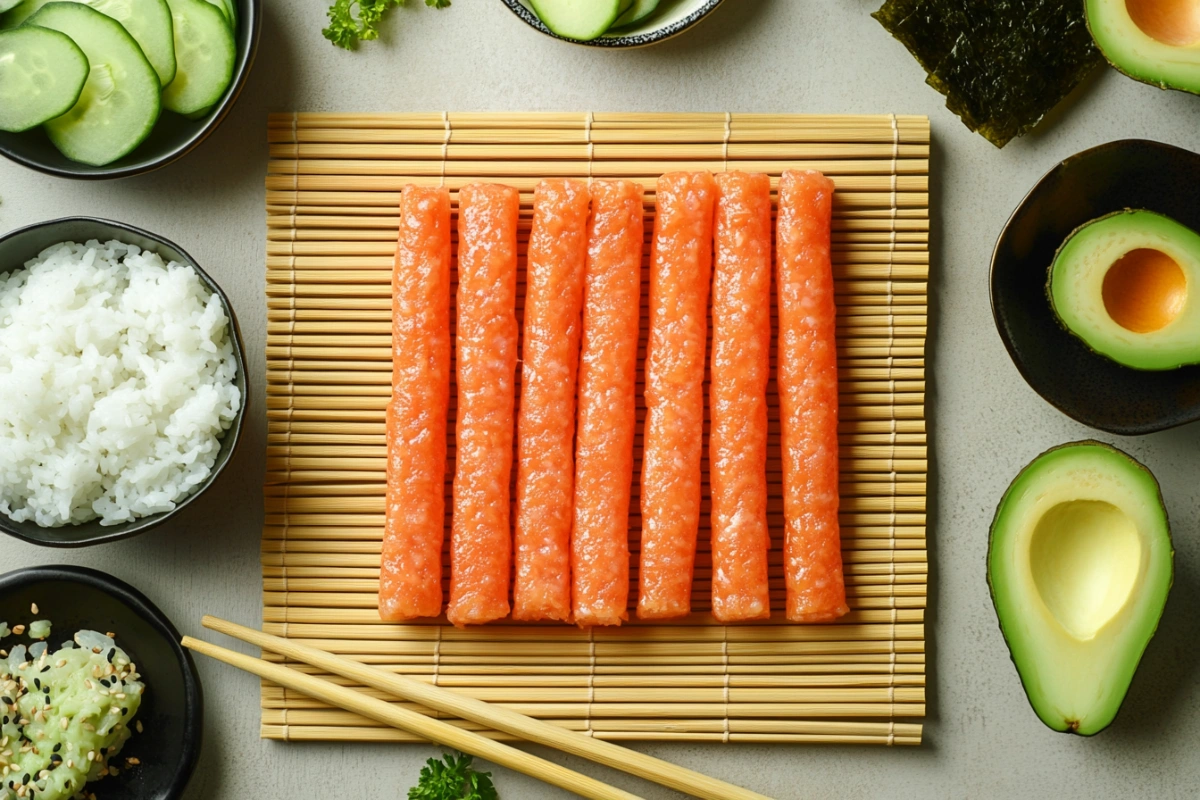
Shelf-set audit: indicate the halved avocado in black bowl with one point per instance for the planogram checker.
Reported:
(1058, 365)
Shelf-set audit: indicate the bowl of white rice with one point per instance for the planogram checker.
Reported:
(122, 381)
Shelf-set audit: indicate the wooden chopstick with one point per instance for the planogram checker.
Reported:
(653, 769)
(429, 728)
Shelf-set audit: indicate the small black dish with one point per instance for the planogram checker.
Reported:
(172, 138)
(1088, 387)
(172, 711)
(17, 247)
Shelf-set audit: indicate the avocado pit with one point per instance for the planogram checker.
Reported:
(1172, 22)
(1084, 556)
(1144, 290)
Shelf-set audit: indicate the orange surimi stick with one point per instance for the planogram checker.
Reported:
(680, 267)
(480, 540)
(741, 365)
(808, 391)
(546, 424)
(607, 405)
(410, 580)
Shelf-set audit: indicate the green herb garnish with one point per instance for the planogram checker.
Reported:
(452, 779)
(347, 30)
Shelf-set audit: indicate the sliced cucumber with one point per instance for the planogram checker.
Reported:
(42, 73)
(148, 22)
(120, 101)
(201, 114)
(204, 52)
(578, 19)
(18, 12)
(636, 13)
(5, 5)
(227, 8)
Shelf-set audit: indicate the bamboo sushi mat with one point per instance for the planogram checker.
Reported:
(333, 186)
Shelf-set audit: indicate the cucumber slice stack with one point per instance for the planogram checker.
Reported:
(205, 52)
(121, 99)
(585, 20)
(42, 73)
(97, 73)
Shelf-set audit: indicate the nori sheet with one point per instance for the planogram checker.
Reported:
(1002, 64)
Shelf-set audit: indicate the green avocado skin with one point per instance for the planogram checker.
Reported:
(1138, 472)
(1114, 32)
(1148, 353)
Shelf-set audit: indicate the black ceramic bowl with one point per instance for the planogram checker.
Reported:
(1088, 387)
(672, 18)
(173, 137)
(19, 246)
(172, 712)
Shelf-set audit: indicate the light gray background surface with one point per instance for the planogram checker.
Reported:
(817, 56)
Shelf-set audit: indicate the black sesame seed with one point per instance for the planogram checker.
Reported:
(111, 653)
(38, 683)
(25, 778)
(46, 668)
(124, 711)
(8, 701)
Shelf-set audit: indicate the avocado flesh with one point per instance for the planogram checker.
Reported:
(1080, 564)
(1153, 41)
(1077, 290)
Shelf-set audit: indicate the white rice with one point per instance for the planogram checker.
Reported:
(116, 383)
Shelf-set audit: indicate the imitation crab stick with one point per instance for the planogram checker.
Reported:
(808, 390)
(410, 582)
(741, 364)
(480, 540)
(607, 405)
(546, 424)
(680, 267)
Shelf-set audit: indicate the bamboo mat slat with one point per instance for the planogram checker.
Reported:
(333, 185)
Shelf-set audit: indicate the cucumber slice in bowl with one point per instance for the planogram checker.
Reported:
(42, 73)
(578, 19)
(148, 22)
(636, 13)
(121, 99)
(227, 8)
(204, 51)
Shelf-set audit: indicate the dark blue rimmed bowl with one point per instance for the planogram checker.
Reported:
(17, 247)
(172, 710)
(672, 19)
(172, 138)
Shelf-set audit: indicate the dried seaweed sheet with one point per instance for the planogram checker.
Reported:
(1002, 64)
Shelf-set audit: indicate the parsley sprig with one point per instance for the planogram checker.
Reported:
(346, 28)
(452, 779)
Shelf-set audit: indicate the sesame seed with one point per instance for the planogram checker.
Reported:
(33, 609)
(64, 722)
(18, 630)
(139, 726)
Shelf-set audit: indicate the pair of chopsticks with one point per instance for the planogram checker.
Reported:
(440, 732)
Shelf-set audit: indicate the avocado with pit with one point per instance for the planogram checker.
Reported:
(1128, 285)
(1153, 41)
(1080, 564)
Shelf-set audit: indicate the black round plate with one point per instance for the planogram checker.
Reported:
(1090, 388)
(172, 713)
(17, 247)
(172, 138)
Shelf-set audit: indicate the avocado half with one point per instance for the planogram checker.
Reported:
(1128, 285)
(1153, 41)
(1080, 564)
